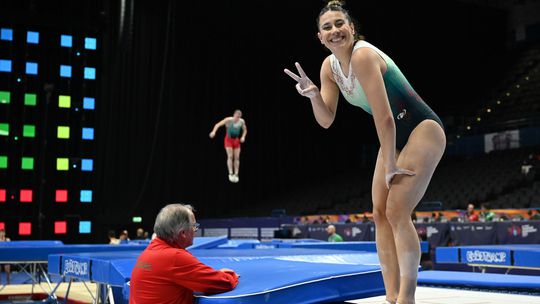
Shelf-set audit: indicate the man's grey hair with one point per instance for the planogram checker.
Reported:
(171, 220)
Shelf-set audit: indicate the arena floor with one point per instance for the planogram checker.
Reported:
(430, 295)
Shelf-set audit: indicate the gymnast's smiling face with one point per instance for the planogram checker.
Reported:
(335, 30)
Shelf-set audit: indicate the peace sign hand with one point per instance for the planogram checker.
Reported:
(305, 86)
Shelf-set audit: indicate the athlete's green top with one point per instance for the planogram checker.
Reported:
(407, 107)
(335, 238)
(234, 129)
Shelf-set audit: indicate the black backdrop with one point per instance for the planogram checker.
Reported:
(172, 69)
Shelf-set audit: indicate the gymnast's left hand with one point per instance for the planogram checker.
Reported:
(305, 86)
(242, 139)
(391, 173)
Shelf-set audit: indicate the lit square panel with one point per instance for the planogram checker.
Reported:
(27, 163)
(25, 228)
(66, 40)
(88, 133)
(89, 103)
(31, 68)
(86, 196)
(87, 164)
(3, 161)
(30, 99)
(85, 227)
(90, 43)
(29, 131)
(6, 34)
(89, 73)
(5, 97)
(65, 71)
(2, 195)
(63, 132)
(60, 227)
(32, 37)
(4, 129)
(61, 196)
(62, 164)
(64, 101)
(5, 65)
(25, 196)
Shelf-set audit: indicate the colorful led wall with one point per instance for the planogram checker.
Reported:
(47, 133)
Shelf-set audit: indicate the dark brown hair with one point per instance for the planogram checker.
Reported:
(337, 6)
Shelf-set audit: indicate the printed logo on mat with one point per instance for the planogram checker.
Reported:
(75, 267)
(486, 257)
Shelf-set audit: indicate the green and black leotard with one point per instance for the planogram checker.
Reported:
(407, 107)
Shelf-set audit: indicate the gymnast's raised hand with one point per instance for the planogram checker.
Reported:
(304, 86)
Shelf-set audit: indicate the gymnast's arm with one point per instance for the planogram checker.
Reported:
(244, 131)
(325, 104)
(218, 125)
(367, 69)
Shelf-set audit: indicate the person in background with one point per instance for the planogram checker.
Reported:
(124, 237)
(166, 272)
(112, 238)
(533, 215)
(236, 132)
(7, 267)
(485, 214)
(470, 215)
(332, 235)
(140, 234)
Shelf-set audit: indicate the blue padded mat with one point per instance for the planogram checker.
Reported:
(299, 279)
(208, 242)
(31, 243)
(475, 279)
(291, 275)
(361, 246)
(40, 253)
(525, 255)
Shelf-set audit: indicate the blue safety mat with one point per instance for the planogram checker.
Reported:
(267, 252)
(208, 242)
(361, 246)
(525, 255)
(475, 279)
(39, 253)
(235, 244)
(31, 243)
(291, 275)
(305, 278)
(256, 244)
(112, 268)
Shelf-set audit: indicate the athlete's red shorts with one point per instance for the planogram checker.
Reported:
(232, 142)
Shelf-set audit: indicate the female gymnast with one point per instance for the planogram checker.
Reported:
(411, 136)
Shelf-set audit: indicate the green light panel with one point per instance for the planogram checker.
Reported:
(30, 99)
(5, 97)
(3, 162)
(64, 101)
(62, 164)
(63, 132)
(29, 131)
(27, 163)
(4, 129)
